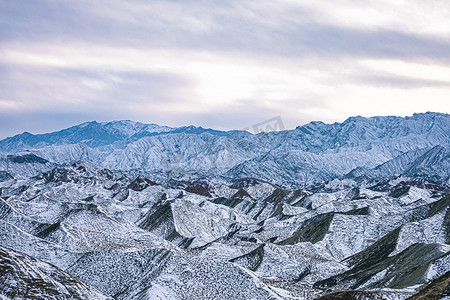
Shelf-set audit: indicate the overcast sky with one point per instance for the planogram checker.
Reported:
(220, 64)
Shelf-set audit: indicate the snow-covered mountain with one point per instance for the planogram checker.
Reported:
(310, 153)
(86, 232)
(433, 163)
(22, 165)
(124, 210)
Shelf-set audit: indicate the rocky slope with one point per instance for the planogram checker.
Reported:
(131, 238)
(24, 277)
(352, 210)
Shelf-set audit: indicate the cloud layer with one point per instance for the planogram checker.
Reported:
(221, 64)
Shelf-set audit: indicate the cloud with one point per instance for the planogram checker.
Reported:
(392, 81)
(282, 28)
(42, 88)
(425, 18)
(220, 64)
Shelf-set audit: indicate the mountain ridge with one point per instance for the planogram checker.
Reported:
(310, 153)
(161, 128)
(131, 238)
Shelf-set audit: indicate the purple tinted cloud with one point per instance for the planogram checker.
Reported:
(176, 62)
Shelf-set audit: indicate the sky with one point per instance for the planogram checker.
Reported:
(219, 64)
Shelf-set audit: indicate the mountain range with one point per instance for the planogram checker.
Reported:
(308, 154)
(125, 210)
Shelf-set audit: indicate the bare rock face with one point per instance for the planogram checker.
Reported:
(437, 289)
(140, 183)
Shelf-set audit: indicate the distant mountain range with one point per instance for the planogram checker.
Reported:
(311, 153)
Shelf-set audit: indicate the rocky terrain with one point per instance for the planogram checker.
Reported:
(358, 210)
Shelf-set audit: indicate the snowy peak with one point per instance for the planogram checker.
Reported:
(129, 128)
(365, 132)
(96, 134)
(92, 134)
(311, 153)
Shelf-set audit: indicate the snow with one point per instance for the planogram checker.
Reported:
(312, 153)
(169, 243)
(158, 292)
